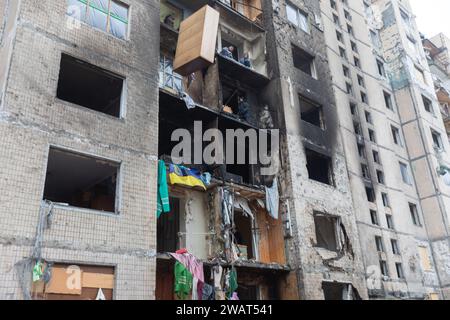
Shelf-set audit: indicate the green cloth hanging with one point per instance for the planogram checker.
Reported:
(232, 284)
(163, 204)
(37, 271)
(183, 281)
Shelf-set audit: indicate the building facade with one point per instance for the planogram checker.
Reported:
(389, 119)
(97, 95)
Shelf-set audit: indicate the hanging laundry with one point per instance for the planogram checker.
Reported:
(207, 292)
(163, 204)
(206, 178)
(37, 271)
(100, 295)
(272, 199)
(183, 281)
(194, 266)
(185, 176)
(231, 282)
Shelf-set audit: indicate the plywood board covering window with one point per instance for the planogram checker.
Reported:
(75, 282)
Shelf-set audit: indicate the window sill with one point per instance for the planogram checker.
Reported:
(86, 210)
(88, 110)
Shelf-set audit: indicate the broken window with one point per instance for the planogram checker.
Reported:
(326, 231)
(168, 228)
(243, 235)
(364, 98)
(353, 109)
(384, 268)
(399, 268)
(428, 105)
(368, 117)
(81, 181)
(107, 15)
(342, 53)
(169, 79)
(380, 66)
(437, 141)
(380, 176)
(357, 62)
(414, 215)
(303, 61)
(362, 151)
(238, 171)
(405, 173)
(361, 81)
(389, 222)
(357, 128)
(385, 199)
(376, 157)
(89, 86)
(395, 247)
(339, 291)
(372, 137)
(298, 17)
(75, 282)
(374, 217)
(396, 136)
(370, 194)
(319, 167)
(379, 244)
(311, 112)
(365, 171)
(388, 100)
(349, 88)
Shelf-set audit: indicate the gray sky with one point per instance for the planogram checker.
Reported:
(432, 16)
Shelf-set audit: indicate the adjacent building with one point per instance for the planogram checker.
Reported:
(95, 96)
(394, 143)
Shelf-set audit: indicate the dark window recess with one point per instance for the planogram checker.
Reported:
(339, 291)
(374, 217)
(311, 112)
(81, 181)
(319, 167)
(326, 231)
(246, 292)
(89, 86)
(370, 194)
(168, 227)
(303, 60)
(244, 235)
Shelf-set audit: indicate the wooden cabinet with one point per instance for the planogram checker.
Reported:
(197, 39)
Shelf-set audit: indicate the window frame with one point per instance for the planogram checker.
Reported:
(305, 27)
(109, 15)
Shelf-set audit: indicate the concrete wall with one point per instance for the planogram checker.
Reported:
(32, 119)
(303, 195)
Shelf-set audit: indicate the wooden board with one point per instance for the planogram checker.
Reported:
(59, 281)
(98, 280)
(197, 39)
(263, 231)
(276, 240)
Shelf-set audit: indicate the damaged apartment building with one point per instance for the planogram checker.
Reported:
(395, 144)
(270, 56)
(96, 204)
